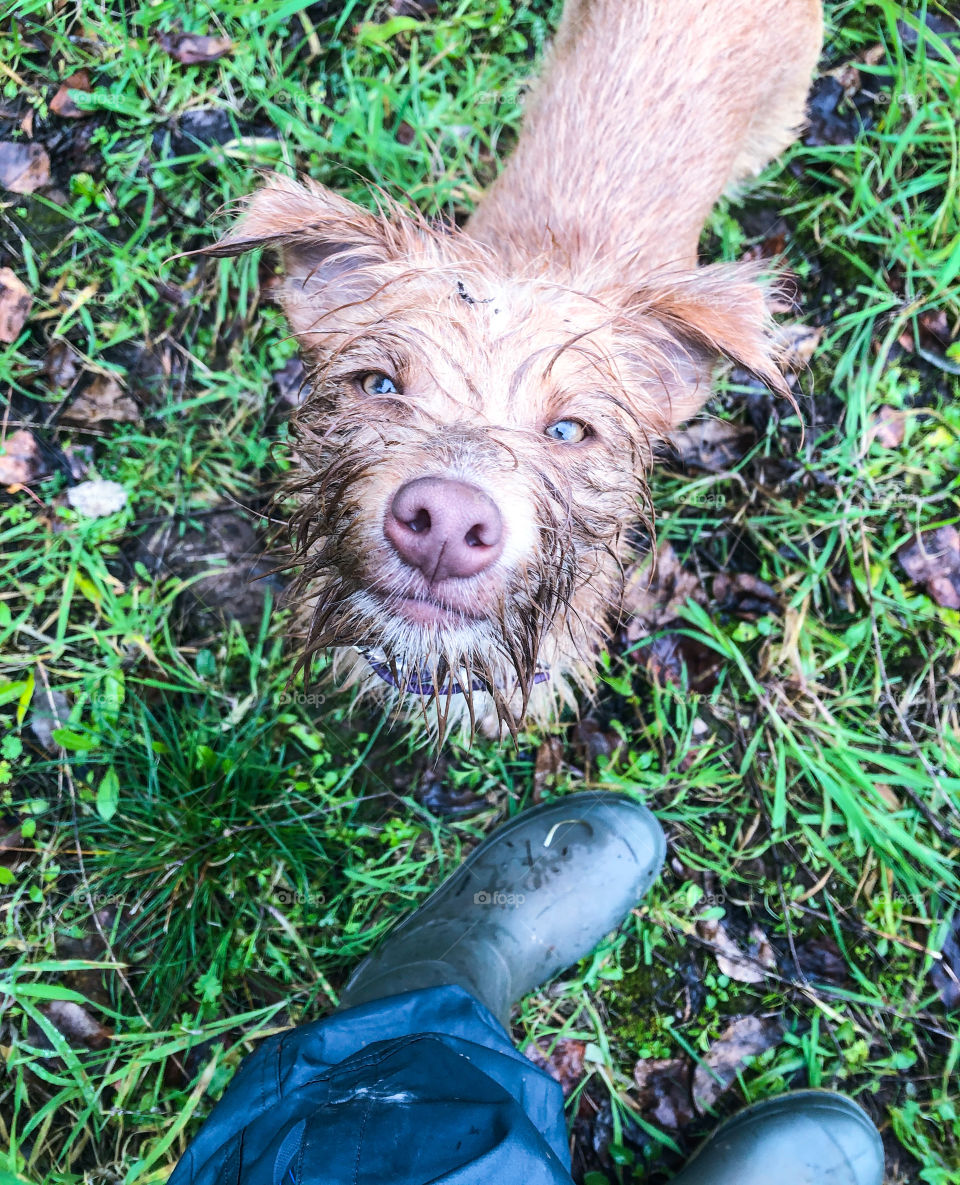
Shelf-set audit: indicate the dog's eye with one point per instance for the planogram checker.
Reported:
(378, 383)
(568, 431)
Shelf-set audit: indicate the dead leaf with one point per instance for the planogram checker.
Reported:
(97, 498)
(193, 49)
(821, 960)
(663, 1091)
(564, 1063)
(77, 1024)
(887, 427)
(749, 966)
(15, 302)
(713, 445)
(679, 660)
(655, 591)
(20, 460)
(745, 595)
(62, 365)
(933, 561)
(61, 104)
(799, 343)
(945, 972)
(290, 382)
(103, 399)
(23, 167)
(745, 1037)
(546, 766)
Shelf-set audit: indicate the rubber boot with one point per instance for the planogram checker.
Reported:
(532, 899)
(805, 1137)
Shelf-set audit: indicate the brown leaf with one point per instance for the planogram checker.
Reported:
(945, 972)
(77, 1024)
(745, 595)
(61, 104)
(23, 167)
(713, 445)
(103, 399)
(887, 427)
(933, 561)
(62, 365)
(20, 461)
(748, 966)
(663, 1091)
(15, 302)
(799, 343)
(820, 959)
(194, 48)
(655, 590)
(546, 765)
(680, 660)
(564, 1063)
(745, 1037)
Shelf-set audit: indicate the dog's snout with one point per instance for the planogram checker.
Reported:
(444, 528)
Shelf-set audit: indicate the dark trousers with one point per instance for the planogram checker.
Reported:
(422, 1087)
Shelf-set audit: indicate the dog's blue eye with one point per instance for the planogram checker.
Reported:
(568, 431)
(377, 383)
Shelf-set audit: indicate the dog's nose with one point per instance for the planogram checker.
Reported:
(444, 528)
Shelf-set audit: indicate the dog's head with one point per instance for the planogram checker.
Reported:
(473, 449)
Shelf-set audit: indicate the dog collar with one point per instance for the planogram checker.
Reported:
(415, 684)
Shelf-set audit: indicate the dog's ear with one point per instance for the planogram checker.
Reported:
(686, 324)
(329, 247)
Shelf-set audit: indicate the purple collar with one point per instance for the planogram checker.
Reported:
(415, 685)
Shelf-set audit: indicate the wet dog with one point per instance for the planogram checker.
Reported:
(485, 403)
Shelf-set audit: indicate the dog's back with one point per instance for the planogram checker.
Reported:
(647, 111)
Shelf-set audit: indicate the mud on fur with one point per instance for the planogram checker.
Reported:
(485, 403)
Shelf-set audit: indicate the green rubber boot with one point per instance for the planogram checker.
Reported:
(805, 1137)
(533, 898)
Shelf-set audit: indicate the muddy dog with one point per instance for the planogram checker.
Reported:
(485, 403)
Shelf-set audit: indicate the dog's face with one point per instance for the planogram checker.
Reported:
(473, 450)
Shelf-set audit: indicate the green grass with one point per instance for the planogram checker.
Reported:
(205, 851)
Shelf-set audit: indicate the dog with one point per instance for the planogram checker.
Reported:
(485, 403)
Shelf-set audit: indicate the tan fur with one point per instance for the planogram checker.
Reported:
(573, 292)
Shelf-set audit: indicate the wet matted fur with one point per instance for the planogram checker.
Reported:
(538, 354)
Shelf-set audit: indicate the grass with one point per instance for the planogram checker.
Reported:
(203, 849)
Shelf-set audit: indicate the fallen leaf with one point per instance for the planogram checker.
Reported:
(97, 498)
(546, 765)
(15, 302)
(290, 382)
(745, 595)
(933, 561)
(20, 461)
(77, 1024)
(663, 1092)
(61, 104)
(193, 49)
(745, 1037)
(23, 167)
(749, 966)
(679, 660)
(712, 445)
(103, 399)
(799, 343)
(821, 960)
(564, 1062)
(945, 972)
(887, 427)
(655, 591)
(62, 365)
(49, 712)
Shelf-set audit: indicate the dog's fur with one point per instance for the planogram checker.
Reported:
(572, 293)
